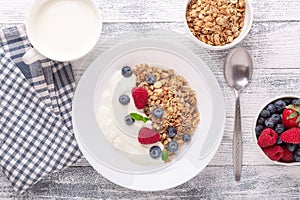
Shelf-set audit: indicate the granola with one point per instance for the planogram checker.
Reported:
(174, 96)
(216, 22)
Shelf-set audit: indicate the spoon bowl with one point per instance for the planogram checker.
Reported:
(238, 69)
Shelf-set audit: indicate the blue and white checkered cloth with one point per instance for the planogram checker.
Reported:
(36, 135)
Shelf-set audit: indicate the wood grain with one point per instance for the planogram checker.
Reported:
(15, 11)
(259, 182)
(273, 42)
(268, 50)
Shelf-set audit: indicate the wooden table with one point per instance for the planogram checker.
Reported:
(274, 43)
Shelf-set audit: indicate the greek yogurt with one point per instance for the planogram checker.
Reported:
(111, 119)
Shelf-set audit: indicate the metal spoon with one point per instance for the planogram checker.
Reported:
(238, 68)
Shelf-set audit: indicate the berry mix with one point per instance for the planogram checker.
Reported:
(166, 101)
(277, 130)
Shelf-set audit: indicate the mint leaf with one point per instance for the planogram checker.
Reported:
(294, 114)
(145, 119)
(139, 117)
(165, 155)
(297, 108)
(136, 116)
(290, 107)
(298, 119)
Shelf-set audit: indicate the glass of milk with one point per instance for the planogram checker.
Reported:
(62, 30)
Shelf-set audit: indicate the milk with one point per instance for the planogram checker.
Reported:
(65, 28)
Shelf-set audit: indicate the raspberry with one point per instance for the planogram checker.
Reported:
(287, 155)
(148, 136)
(291, 135)
(267, 138)
(274, 152)
(140, 97)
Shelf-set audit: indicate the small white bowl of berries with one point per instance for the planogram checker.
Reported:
(277, 130)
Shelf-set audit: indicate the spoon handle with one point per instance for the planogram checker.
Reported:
(237, 140)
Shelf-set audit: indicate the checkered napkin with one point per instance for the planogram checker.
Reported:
(36, 135)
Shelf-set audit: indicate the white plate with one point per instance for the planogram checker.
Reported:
(113, 163)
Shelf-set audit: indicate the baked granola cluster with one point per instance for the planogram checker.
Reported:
(174, 96)
(216, 22)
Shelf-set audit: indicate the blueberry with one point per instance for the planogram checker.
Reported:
(124, 99)
(259, 129)
(261, 121)
(172, 146)
(287, 101)
(171, 131)
(279, 141)
(128, 120)
(158, 113)
(150, 79)
(155, 152)
(297, 158)
(186, 137)
(296, 102)
(276, 117)
(297, 152)
(291, 147)
(265, 113)
(271, 108)
(280, 105)
(279, 128)
(126, 71)
(299, 145)
(297, 155)
(270, 123)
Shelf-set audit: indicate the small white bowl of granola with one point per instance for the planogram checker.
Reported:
(218, 24)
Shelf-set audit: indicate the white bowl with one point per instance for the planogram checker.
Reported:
(254, 134)
(71, 37)
(130, 169)
(245, 30)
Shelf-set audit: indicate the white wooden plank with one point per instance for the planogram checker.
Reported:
(15, 11)
(258, 182)
(275, 47)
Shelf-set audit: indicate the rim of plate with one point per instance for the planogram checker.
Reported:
(200, 159)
